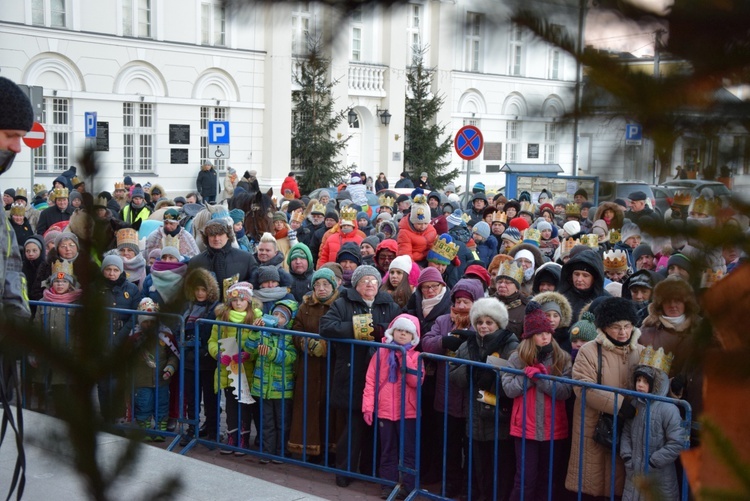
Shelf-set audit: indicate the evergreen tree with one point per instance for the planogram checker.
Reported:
(314, 120)
(424, 152)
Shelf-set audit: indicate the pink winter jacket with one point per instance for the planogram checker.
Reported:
(389, 394)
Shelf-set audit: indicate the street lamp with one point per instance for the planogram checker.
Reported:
(352, 116)
(385, 117)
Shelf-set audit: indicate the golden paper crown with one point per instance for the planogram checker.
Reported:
(171, 241)
(127, 236)
(466, 218)
(656, 359)
(318, 208)
(17, 209)
(573, 210)
(76, 181)
(348, 214)
(499, 217)
(614, 236)
(682, 198)
(615, 260)
(710, 277)
(704, 205)
(119, 185)
(532, 234)
(566, 246)
(39, 188)
(62, 270)
(59, 193)
(420, 199)
(447, 250)
(21, 192)
(591, 240)
(511, 270)
(297, 216)
(386, 200)
(528, 207)
(101, 202)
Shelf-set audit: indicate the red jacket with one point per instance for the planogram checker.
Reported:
(389, 394)
(332, 242)
(290, 184)
(539, 395)
(413, 243)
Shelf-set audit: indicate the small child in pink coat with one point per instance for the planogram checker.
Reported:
(385, 377)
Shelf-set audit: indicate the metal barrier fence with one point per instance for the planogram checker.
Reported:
(344, 425)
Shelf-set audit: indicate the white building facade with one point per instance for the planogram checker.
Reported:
(157, 71)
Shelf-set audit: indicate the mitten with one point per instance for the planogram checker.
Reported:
(292, 235)
(225, 360)
(240, 357)
(531, 371)
(451, 342)
(487, 397)
(677, 385)
(316, 348)
(627, 409)
(541, 367)
(168, 371)
(368, 418)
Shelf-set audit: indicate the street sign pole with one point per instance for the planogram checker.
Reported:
(218, 146)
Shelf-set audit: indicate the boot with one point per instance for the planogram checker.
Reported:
(231, 440)
(162, 427)
(244, 442)
(145, 425)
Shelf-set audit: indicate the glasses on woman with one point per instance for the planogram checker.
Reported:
(431, 287)
(323, 286)
(69, 245)
(624, 327)
(370, 281)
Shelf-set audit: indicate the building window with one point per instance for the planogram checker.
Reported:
(300, 28)
(356, 43)
(54, 154)
(211, 114)
(213, 24)
(473, 41)
(512, 135)
(516, 51)
(48, 13)
(413, 32)
(136, 18)
(138, 134)
(554, 64)
(550, 143)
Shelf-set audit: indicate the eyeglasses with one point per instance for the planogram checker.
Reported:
(370, 281)
(70, 245)
(323, 285)
(620, 327)
(432, 287)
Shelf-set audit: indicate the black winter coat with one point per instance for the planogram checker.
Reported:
(50, 216)
(123, 295)
(206, 183)
(300, 285)
(225, 263)
(577, 298)
(337, 324)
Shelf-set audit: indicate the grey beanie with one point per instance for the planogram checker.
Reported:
(267, 274)
(171, 251)
(113, 260)
(551, 306)
(17, 111)
(482, 228)
(363, 271)
(66, 235)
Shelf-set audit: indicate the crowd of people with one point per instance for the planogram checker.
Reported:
(542, 284)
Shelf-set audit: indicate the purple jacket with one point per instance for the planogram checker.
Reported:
(432, 343)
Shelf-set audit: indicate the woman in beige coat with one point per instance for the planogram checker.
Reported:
(618, 338)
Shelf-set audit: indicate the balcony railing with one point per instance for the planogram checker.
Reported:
(366, 79)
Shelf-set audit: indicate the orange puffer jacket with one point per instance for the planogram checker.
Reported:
(414, 243)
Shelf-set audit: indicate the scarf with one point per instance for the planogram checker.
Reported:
(167, 279)
(239, 234)
(218, 261)
(393, 363)
(237, 317)
(674, 323)
(617, 343)
(172, 233)
(64, 298)
(543, 351)
(346, 277)
(138, 206)
(429, 304)
(135, 269)
(608, 221)
(270, 294)
(195, 311)
(282, 233)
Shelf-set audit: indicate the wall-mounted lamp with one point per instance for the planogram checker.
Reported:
(54, 92)
(516, 117)
(385, 117)
(218, 102)
(396, 137)
(352, 117)
(143, 98)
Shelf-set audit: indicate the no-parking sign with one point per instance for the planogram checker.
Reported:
(468, 142)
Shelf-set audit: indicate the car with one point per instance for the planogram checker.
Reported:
(664, 196)
(609, 191)
(698, 185)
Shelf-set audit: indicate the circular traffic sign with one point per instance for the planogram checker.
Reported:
(35, 137)
(468, 142)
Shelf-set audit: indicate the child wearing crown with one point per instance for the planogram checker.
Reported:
(57, 322)
(665, 435)
(415, 233)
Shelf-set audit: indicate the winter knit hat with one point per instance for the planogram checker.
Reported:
(535, 321)
(154, 254)
(511, 234)
(364, 271)
(113, 260)
(137, 192)
(584, 329)
(279, 216)
(372, 241)
(349, 252)
(550, 306)
(615, 309)
(325, 274)
(404, 322)
(17, 111)
(478, 272)
(237, 215)
(420, 211)
(338, 272)
(402, 263)
(332, 214)
(288, 308)
(642, 250)
(241, 291)
(680, 260)
(629, 230)
(489, 307)
(543, 225)
(429, 274)
(572, 228)
(68, 235)
(51, 236)
(525, 254)
(454, 219)
(171, 251)
(479, 186)
(147, 305)
(482, 229)
(519, 223)
(268, 274)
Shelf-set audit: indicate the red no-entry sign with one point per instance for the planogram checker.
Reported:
(468, 142)
(35, 137)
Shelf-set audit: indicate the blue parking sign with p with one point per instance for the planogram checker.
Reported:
(218, 132)
(633, 132)
(90, 123)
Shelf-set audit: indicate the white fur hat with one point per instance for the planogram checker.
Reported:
(404, 322)
(489, 307)
(402, 263)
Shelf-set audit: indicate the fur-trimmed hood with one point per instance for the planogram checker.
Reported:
(616, 208)
(197, 276)
(161, 190)
(545, 270)
(489, 307)
(602, 339)
(566, 312)
(668, 288)
(660, 386)
(538, 257)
